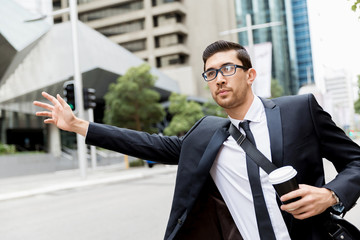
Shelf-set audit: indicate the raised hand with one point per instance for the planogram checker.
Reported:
(61, 115)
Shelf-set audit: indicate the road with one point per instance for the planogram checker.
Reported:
(130, 210)
(133, 210)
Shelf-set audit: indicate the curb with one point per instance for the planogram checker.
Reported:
(82, 183)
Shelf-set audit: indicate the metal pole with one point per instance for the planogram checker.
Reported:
(126, 159)
(92, 148)
(78, 87)
(250, 38)
(308, 74)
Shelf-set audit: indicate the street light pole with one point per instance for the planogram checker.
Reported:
(78, 86)
(249, 31)
(79, 100)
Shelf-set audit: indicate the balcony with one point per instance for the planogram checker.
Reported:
(127, 17)
(168, 29)
(169, 8)
(128, 37)
(170, 50)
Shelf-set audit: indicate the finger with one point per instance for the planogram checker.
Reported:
(43, 105)
(49, 121)
(62, 101)
(291, 207)
(50, 98)
(293, 194)
(302, 215)
(44, 114)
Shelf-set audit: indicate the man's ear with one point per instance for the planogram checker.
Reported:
(251, 73)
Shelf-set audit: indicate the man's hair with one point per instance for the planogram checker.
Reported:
(222, 46)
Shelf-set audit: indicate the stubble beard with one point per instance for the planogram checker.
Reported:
(226, 103)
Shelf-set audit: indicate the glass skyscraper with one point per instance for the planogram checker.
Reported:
(292, 60)
(302, 42)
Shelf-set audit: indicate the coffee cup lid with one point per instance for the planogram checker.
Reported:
(282, 174)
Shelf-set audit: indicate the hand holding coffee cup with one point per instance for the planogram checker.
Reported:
(284, 181)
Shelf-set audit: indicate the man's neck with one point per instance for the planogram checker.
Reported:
(239, 112)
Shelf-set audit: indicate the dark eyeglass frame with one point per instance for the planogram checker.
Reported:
(220, 70)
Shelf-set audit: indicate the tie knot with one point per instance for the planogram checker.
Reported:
(245, 125)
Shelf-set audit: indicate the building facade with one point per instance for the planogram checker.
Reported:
(292, 60)
(303, 42)
(37, 56)
(168, 34)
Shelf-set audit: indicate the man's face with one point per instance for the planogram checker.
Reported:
(230, 92)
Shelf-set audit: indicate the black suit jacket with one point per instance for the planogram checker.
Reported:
(301, 134)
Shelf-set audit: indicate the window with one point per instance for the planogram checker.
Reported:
(170, 18)
(111, 11)
(160, 2)
(85, 1)
(170, 60)
(169, 40)
(135, 46)
(122, 28)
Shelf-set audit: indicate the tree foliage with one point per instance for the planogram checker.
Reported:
(213, 109)
(7, 149)
(276, 89)
(355, 5)
(185, 114)
(357, 103)
(132, 103)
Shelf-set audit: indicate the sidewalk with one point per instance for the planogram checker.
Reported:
(26, 186)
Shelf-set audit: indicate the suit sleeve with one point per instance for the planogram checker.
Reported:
(342, 152)
(146, 146)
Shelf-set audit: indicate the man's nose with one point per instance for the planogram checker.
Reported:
(220, 79)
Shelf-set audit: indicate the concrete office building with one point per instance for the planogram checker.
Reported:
(336, 95)
(36, 57)
(168, 34)
(339, 89)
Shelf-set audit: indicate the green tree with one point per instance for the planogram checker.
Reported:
(185, 114)
(132, 103)
(355, 5)
(213, 109)
(276, 89)
(357, 103)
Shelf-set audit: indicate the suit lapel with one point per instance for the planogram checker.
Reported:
(273, 117)
(206, 161)
(211, 151)
(275, 131)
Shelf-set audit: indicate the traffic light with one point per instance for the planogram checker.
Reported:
(89, 98)
(69, 94)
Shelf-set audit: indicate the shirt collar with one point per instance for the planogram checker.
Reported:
(253, 114)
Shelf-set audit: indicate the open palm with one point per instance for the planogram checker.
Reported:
(59, 113)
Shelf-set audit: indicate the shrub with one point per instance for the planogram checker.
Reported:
(7, 149)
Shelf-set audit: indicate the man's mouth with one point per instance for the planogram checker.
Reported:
(222, 92)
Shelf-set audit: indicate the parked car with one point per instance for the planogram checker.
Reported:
(150, 163)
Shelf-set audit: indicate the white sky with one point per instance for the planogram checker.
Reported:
(335, 32)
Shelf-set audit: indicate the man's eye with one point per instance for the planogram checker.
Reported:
(228, 69)
(210, 74)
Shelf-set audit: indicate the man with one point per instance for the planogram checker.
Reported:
(213, 197)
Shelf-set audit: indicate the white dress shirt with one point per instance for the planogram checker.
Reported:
(229, 173)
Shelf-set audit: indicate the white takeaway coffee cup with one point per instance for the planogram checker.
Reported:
(284, 181)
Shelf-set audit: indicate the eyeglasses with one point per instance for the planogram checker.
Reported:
(227, 70)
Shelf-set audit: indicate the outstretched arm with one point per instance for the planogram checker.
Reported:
(61, 115)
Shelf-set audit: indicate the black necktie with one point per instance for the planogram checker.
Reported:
(262, 216)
